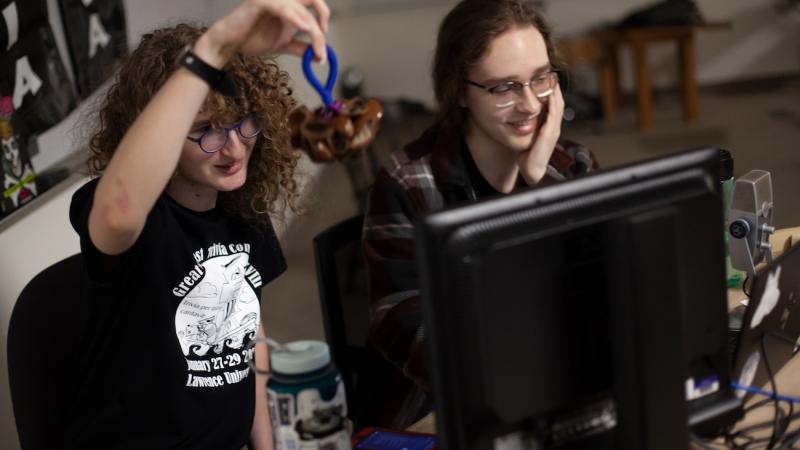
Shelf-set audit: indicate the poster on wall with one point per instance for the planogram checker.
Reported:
(33, 75)
(97, 39)
(16, 171)
(19, 16)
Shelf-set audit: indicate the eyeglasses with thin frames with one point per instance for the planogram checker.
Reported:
(213, 139)
(509, 93)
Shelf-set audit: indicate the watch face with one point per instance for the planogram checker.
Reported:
(181, 59)
(197, 65)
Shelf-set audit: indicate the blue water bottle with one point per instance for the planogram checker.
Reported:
(306, 398)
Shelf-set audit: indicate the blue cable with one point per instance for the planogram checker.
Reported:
(326, 92)
(770, 394)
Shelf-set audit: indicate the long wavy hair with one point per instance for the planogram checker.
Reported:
(262, 90)
(464, 36)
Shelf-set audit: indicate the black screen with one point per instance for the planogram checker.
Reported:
(602, 296)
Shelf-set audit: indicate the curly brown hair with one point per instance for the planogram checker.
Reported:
(457, 51)
(262, 90)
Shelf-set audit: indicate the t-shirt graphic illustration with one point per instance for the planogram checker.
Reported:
(218, 315)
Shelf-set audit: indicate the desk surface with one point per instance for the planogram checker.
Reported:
(787, 379)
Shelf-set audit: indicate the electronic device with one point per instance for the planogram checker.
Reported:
(385, 439)
(772, 315)
(750, 220)
(586, 314)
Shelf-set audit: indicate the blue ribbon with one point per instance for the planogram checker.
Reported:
(325, 92)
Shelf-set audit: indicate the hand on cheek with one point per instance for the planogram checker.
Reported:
(533, 163)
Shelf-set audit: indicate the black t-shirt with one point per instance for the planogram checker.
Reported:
(163, 341)
(479, 184)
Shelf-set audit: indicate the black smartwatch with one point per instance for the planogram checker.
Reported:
(217, 79)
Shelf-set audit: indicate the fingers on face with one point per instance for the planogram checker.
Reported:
(559, 96)
(559, 102)
(555, 113)
(556, 106)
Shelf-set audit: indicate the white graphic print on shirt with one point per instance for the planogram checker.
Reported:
(218, 316)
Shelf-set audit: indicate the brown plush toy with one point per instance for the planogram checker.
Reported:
(338, 133)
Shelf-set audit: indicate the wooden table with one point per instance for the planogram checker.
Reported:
(787, 379)
(603, 46)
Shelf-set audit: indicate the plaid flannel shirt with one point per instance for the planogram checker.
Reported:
(426, 176)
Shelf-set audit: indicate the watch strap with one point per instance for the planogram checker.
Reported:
(217, 79)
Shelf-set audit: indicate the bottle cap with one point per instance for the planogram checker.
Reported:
(299, 357)
(725, 165)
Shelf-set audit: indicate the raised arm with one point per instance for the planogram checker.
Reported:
(148, 154)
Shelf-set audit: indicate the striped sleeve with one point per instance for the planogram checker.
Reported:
(395, 305)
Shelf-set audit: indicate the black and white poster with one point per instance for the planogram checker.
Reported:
(18, 17)
(16, 171)
(97, 39)
(31, 70)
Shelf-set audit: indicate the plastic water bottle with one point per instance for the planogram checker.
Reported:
(726, 178)
(306, 398)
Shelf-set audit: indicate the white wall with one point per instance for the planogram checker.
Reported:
(394, 47)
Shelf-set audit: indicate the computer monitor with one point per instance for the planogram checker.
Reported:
(586, 314)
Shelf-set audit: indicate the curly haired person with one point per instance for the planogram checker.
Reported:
(192, 158)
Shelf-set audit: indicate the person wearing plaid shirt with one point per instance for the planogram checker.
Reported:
(498, 130)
